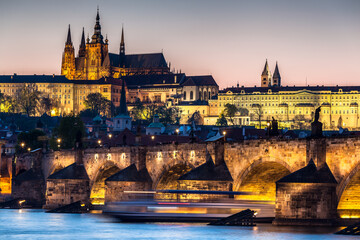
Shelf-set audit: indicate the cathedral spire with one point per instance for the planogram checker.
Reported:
(82, 47)
(122, 43)
(97, 37)
(123, 107)
(68, 40)
(122, 49)
(82, 44)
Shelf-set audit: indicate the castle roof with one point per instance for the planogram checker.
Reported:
(276, 89)
(206, 80)
(146, 60)
(148, 81)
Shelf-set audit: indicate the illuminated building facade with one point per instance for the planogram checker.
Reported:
(94, 60)
(292, 106)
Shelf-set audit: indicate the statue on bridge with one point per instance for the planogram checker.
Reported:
(316, 125)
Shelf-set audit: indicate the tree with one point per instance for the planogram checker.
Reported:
(196, 118)
(9, 104)
(243, 111)
(257, 113)
(168, 115)
(67, 129)
(46, 104)
(299, 121)
(97, 103)
(230, 111)
(28, 98)
(221, 121)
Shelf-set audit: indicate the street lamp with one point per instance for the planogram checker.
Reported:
(152, 137)
(29, 149)
(110, 135)
(59, 142)
(22, 145)
(99, 142)
(224, 133)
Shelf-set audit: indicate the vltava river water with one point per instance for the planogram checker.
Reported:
(36, 224)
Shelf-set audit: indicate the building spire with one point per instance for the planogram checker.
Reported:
(68, 40)
(122, 49)
(82, 44)
(266, 68)
(82, 47)
(276, 76)
(97, 37)
(123, 107)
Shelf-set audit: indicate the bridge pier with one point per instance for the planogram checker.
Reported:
(308, 195)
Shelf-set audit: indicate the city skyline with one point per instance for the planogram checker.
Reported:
(314, 43)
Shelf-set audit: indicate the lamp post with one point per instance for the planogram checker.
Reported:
(99, 142)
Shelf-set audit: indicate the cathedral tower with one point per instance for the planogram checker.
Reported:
(68, 58)
(96, 52)
(266, 76)
(276, 77)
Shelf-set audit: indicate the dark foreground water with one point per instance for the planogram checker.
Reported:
(36, 224)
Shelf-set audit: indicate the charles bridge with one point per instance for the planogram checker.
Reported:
(105, 174)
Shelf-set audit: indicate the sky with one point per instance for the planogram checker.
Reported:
(314, 42)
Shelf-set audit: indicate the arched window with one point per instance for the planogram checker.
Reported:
(204, 95)
(209, 94)
(184, 95)
(191, 95)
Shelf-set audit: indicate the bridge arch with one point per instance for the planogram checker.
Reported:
(97, 183)
(260, 177)
(168, 178)
(348, 193)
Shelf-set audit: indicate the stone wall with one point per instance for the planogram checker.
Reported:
(242, 157)
(114, 190)
(61, 192)
(205, 186)
(160, 159)
(33, 191)
(305, 203)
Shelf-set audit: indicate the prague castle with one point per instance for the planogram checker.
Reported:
(292, 106)
(148, 78)
(94, 60)
(95, 70)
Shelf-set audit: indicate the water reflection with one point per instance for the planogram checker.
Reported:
(35, 224)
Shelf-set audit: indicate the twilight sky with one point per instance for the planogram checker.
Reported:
(317, 42)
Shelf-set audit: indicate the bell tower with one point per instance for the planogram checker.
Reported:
(266, 76)
(68, 58)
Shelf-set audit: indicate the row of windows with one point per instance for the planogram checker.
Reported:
(287, 98)
(307, 112)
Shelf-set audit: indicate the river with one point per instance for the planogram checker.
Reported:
(36, 224)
